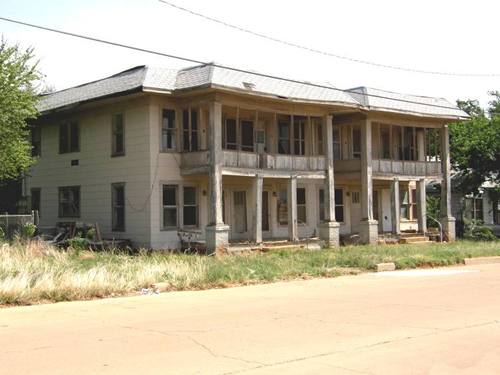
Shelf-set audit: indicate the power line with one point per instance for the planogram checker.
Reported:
(116, 44)
(325, 53)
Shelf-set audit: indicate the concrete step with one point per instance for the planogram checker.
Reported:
(414, 239)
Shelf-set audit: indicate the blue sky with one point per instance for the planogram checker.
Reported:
(436, 35)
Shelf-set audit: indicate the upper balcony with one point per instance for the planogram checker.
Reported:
(243, 159)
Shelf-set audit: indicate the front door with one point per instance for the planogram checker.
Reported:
(240, 213)
(265, 212)
(355, 211)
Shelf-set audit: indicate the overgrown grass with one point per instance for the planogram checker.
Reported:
(34, 273)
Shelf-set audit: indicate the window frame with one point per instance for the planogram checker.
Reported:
(339, 205)
(114, 207)
(355, 154)
(59, 203)
(114, 134)
(170, 206)
(164, 131)
(302, 205)
(191, 132)
(68, 144)
(284, 120)
(196, 205)
(279, 205)
(299, 126)
(337, 142)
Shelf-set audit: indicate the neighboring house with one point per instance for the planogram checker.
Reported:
(237, 156)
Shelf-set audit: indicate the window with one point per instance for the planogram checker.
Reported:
(230, 142)
(170, 206)
(69, 137)
(337, 145)
(36, 141)
(355, 197)
(190, 130)
(118, 207)
(408, 198)
(299, 135)
(69, 201)
(397, 153)
(474, 208)
(118, 134)
(356, 142)
(385, 143)
(317, 125)
(190, 206)
(283, 207)
(339, 205)
(301, 206)
(247, 135)
(321, 200)
(284, 134)
(168, 130)
(36, 196)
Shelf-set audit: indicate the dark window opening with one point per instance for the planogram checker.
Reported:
(69, 201)
(190, 206)
(69, 137)
(118, 207)
(36, 141)
(247, 135)
(118, 130)
(284, 135)
(169, 206)
(168, 130)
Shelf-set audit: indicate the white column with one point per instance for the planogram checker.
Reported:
(421, 206)
(216, 232)
(292, 209)
(257, 213)
(421, 144)
(395, 207)
(329, 230)
(368, 228)
(447, 219)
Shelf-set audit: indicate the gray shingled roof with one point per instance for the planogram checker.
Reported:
(377, 99)
(210, 75)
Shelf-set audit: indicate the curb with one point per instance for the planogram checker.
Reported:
(481, 260)
(384, 267)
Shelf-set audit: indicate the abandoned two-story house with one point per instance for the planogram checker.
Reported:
(238, 156)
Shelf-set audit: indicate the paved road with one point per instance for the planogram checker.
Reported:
(425, 322)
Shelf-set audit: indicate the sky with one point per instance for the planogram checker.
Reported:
(450, 36)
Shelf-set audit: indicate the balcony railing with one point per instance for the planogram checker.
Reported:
(242, 159)
(408, 168)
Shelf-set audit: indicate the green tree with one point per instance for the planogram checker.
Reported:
(475, 145)
(18, 98)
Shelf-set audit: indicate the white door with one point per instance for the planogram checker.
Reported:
(239, 214)
(355, 211)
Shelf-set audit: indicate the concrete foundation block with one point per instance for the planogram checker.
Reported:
(448, 224)
(368, 232)
(384, 267)
(217, 238)
(329, 233)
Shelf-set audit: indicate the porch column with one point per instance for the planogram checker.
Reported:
(368, 228)
(292, 209)
(216, 233)
(329, 229)
(447, 220)
(421, 144)
(421, 206)
(395, 208)
(257, 213)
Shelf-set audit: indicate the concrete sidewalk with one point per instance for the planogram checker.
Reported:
(419, 322)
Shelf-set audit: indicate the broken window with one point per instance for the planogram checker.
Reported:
(169, 206)
(301, 206)
(190, 206)
(190, 130)
(69, 201)
(168, 130)
(36, 141)
(118, 206)
(118, 131)
(69, 137)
